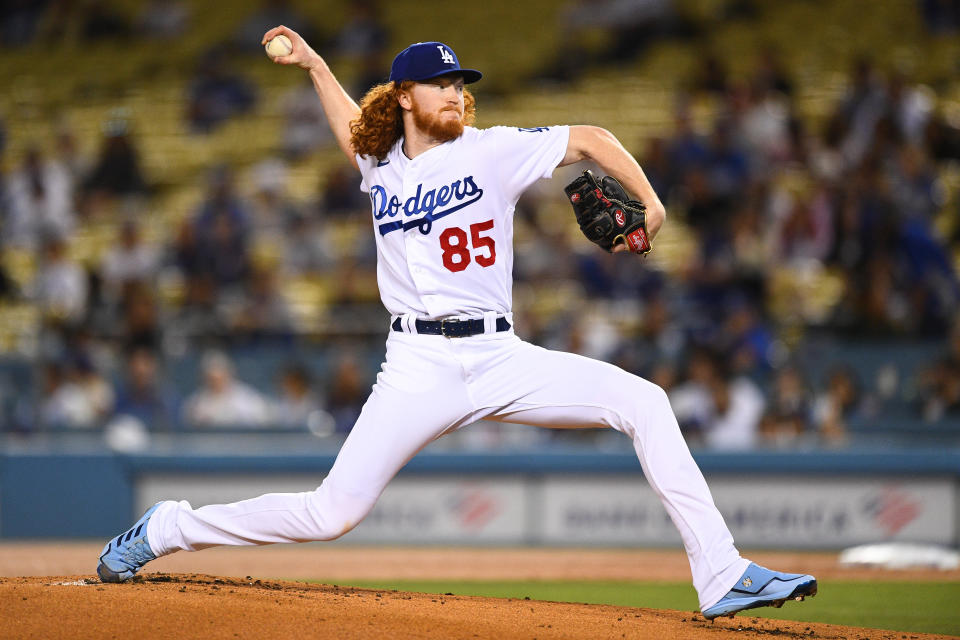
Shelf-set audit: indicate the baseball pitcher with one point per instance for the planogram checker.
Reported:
(442, 196)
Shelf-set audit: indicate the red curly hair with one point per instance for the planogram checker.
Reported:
(380, 124)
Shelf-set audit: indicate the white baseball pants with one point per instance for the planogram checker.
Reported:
(432, 385)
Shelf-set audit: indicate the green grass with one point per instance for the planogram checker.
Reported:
(920, 607)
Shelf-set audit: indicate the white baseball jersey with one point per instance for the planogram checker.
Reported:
(444, 220)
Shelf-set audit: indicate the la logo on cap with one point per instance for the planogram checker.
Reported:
(445, 55)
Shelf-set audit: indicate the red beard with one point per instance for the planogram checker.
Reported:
(442, 130)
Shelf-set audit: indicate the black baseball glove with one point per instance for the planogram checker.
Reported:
(607, 215)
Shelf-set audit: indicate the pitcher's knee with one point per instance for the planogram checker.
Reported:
(335, 512)
(646, 394)
(658, 396)
(649, 404)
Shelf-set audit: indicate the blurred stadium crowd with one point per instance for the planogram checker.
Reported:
(806, 291)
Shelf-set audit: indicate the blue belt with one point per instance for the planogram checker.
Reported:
(453, 328)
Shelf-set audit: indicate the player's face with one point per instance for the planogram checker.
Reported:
(437, 107)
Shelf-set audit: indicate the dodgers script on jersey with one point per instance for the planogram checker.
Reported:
(444, 231)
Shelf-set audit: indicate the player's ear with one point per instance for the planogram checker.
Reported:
(402, 92)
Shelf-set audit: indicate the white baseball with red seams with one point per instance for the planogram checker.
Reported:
(443, 224)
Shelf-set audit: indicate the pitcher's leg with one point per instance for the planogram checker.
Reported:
(405, 411)
(323, 514)
(583, 392)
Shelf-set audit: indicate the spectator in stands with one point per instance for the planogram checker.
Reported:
(40, 201)
(222, 197)
(75, 395)
(19, 21)
(942, 138)
(882, 305)
(164, 19)
(751, 252)
(140, 323)
(54, 404)
(746, 337)
(224, 401)
(9, 289)
(836, 404)
(630, 25)
(4, 198)
(911, 108)
(307, 246)
(364, 38)
(866, 244)
(60, 287)
(128, 260)
(225, 250)
(370, 74)
(101, 21)
(687, 148)
(297, 404)
(801, 224)
(142, 394)
(627, 28)
(305, 127)
(601, 274)
(264, 313)
(860, 109)
(711, 75)
(769, 72)
(341, 195)
(67, 153)
(940, 17)
(347, 393)
(918, 194)
(713, 407)
(788, 415)
(868, 219)
(706, 210)
(184, 252)
(199, 321)
(762, 121)
(364, 34)
(658, 342)
(116, 174)
(916, 191)
(222, 228)
(271, 208)
(269, 14)
(938, 386)
(216, 92)
(727, 166)
(655, 161)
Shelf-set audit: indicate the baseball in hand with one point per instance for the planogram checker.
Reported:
(279, 46)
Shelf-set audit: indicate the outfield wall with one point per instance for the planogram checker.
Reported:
(823, 500)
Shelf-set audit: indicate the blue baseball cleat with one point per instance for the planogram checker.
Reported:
(124, 556)
(761, 587)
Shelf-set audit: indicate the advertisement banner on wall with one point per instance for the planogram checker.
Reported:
(451, 511)
(760, 512)
(614, 510)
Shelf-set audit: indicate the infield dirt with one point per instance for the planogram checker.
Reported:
(187, 605)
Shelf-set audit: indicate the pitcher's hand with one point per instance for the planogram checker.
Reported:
(302, 55)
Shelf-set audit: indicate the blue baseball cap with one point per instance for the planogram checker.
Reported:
(425, 60)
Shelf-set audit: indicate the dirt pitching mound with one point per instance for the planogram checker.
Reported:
(160, 605)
